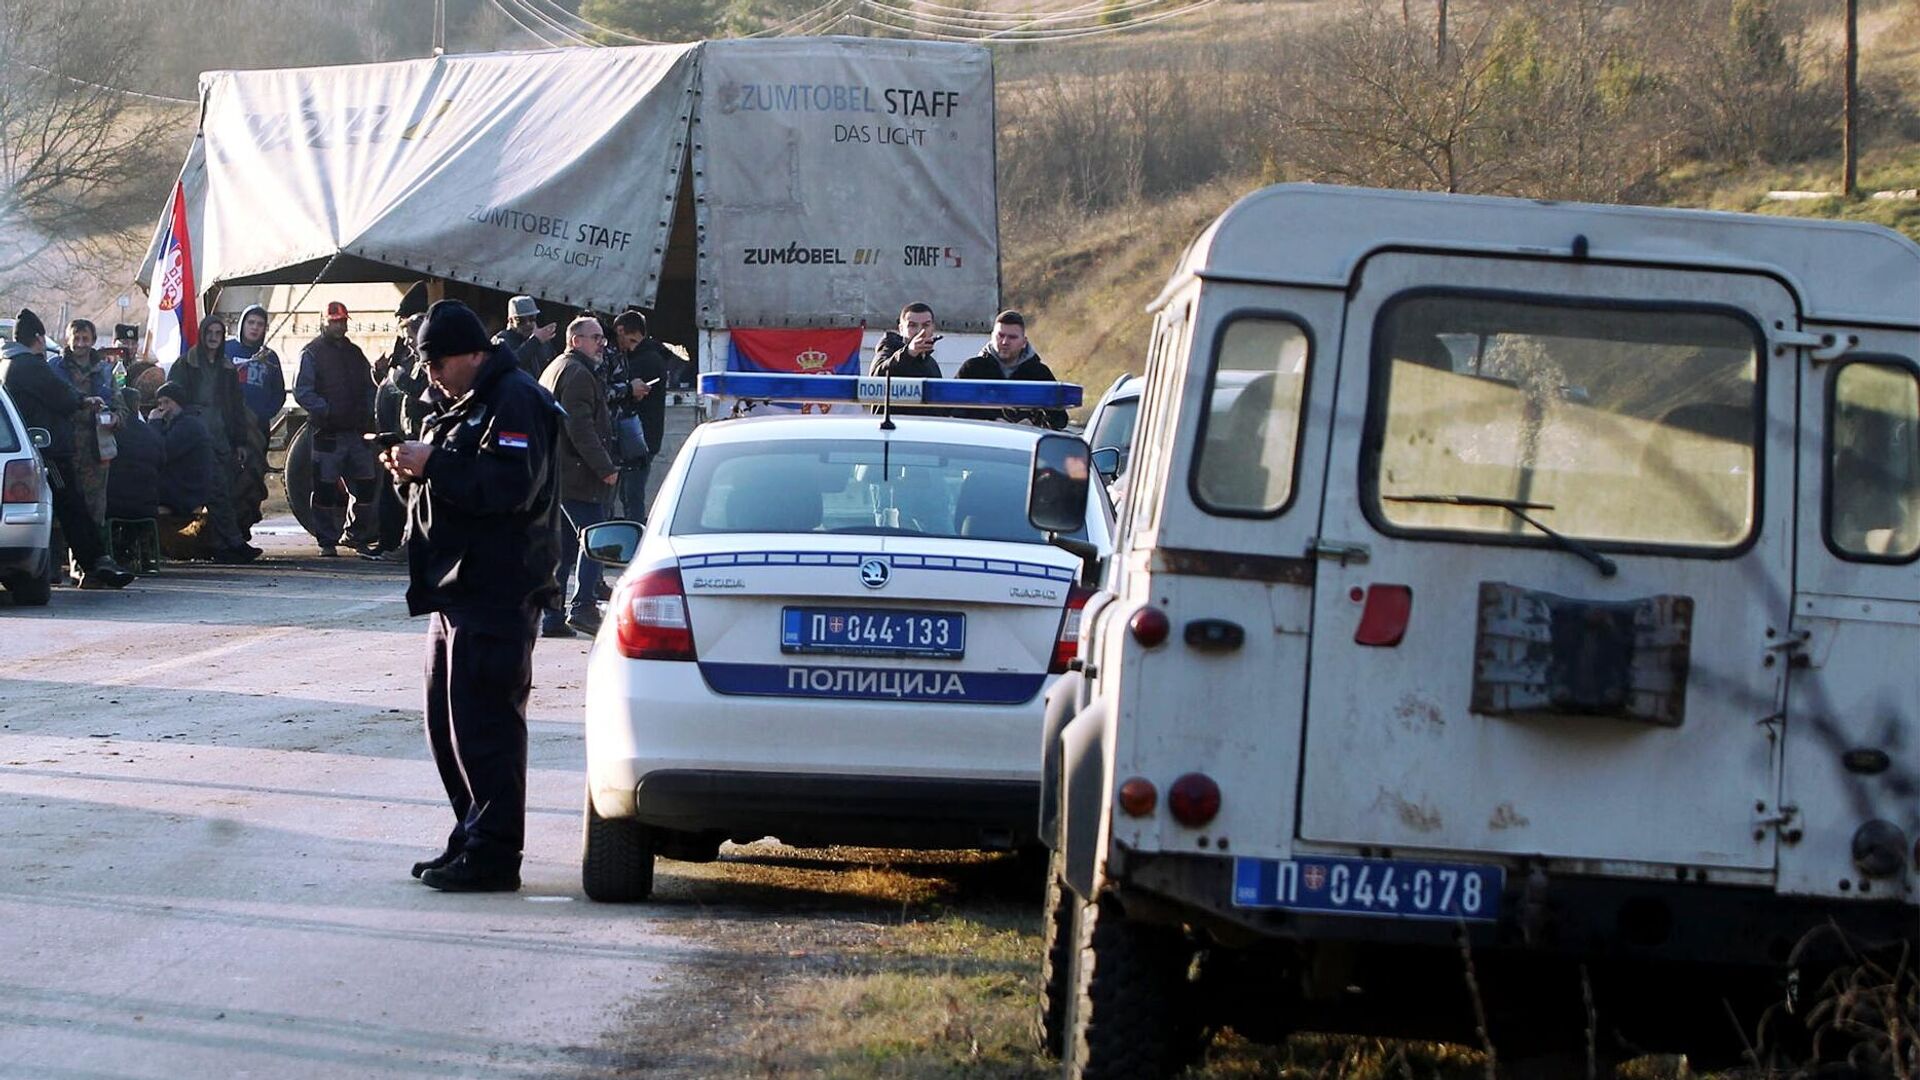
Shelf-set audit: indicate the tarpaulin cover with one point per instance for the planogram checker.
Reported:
(549, 173)
(844, 178)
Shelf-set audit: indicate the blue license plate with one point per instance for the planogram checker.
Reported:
(1394, 888)
(873, 632)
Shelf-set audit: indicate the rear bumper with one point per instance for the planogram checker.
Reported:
(812, 809)
(1572, 916)
(24, 560)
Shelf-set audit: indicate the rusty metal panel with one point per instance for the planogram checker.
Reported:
(1541, 655)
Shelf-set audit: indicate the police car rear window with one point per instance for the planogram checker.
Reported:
(1604, 422)
(862, 487)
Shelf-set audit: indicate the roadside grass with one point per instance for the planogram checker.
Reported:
(881, 965)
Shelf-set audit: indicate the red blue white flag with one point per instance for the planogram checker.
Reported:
(173, 319)
(795, 352)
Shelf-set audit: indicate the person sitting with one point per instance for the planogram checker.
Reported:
(133, 484)
(186, 471)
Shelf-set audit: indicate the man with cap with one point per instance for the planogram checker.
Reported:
(186, 456)
(524, 335)
(400, 407)
(483, 518)
(335, 386)
(45, 400)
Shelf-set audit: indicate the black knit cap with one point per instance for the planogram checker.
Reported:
(452, 329)
(172, 390)
(27, 326)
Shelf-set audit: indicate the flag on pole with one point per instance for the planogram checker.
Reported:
(173, 319)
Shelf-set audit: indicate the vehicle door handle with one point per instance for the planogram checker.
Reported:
(1343, 552)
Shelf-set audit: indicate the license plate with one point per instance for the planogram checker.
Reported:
(1394, 888)
(873, 632)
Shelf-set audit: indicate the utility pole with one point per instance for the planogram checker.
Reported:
(439, 27)
(1440, 34)
(1850, 130)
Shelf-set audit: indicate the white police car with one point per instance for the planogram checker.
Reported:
(836, 629)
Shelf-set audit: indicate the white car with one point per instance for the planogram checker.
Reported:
(831, 632)
(26, 510)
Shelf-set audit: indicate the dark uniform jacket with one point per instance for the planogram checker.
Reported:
(45, 400)
(530, 351)
(133, 484)
(648, 360)
(186, 464)
(1031, 369)
(335, 386)
(586, 435)
(483, 529)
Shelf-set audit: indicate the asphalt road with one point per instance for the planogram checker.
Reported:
(211, 788)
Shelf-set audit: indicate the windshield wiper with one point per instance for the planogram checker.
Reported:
(1517, 508)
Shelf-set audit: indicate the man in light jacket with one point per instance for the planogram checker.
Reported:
(588, 469)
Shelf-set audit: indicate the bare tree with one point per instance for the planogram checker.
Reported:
(79, 153)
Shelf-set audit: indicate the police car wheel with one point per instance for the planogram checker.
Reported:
(1130, 1009)
(1056, 959)
(616, 858)
(29, 590)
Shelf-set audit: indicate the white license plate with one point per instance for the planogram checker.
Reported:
(1394, 888)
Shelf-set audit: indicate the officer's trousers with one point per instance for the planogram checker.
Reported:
(479, 672)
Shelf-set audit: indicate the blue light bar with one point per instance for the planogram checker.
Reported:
(867, 390)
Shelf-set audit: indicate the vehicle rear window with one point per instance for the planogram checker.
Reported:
(1873, 462)
(1115, 428)
(859, 487)
(1607, 423)
(1251, 429)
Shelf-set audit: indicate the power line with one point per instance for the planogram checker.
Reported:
(1017, 35)
(124, 92)
(594, 27)
(530, 31)
(567, 34)
(1001, 24)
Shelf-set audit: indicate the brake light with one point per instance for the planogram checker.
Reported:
(1067, 646)
(22, 482)
(650, 617)
(1383, 622)
(1194, 799)
(1149, 626)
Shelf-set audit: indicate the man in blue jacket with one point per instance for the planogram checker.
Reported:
(482, 542)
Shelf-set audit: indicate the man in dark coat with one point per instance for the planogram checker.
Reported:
(530, 342)
(636, 387)
(335, 386)
(133, 485)
(211, 392)
(46, 400)
(908, 354)
(187, 460)
(1009, 356)
(588, 468)
(400, 406)
(482, 520)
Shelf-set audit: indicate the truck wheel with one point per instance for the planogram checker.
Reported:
(298, 477)
(616, 858)
(1130, 1010)
(29, 590)
(1056, 958)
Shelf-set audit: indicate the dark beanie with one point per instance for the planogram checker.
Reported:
(452, 329)
(27, 326)
(171, 389)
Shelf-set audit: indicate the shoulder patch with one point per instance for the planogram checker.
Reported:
(511, 440)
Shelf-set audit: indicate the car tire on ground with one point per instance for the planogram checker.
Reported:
(1056, 958)
(1128, 1010)
(29, 590)
(616, 858)
(298, 478)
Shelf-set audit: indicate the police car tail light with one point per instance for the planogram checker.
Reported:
(650, 617)
(1194, 799)
(1067, 646)
(22, 483)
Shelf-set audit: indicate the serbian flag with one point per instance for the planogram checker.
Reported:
(797, 352)
(173, 319)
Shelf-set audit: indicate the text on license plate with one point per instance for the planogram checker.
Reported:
(1397, 888)
(872, 632)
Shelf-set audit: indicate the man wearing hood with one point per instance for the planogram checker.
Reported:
(263, 389)
(45, 400)
(1009, 356)
(208, 390)
(336, 388)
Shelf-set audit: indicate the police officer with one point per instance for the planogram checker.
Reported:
(483, 510)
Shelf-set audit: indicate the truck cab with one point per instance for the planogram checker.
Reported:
(1511, 622)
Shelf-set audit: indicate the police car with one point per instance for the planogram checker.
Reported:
(834, 629)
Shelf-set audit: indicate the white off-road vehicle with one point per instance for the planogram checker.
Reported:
(1513, 636)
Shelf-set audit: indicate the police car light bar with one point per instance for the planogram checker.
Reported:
(870, 390)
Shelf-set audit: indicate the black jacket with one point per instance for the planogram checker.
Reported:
(987, 366)
(133, 484)
(483, 528)
(45, 400)
(186, 465)
(335, 386)
(891, 357)
(532, 353)
(648, 360)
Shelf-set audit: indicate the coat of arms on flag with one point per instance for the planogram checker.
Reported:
(173, 319)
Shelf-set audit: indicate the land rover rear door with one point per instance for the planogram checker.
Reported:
(1554, 564)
